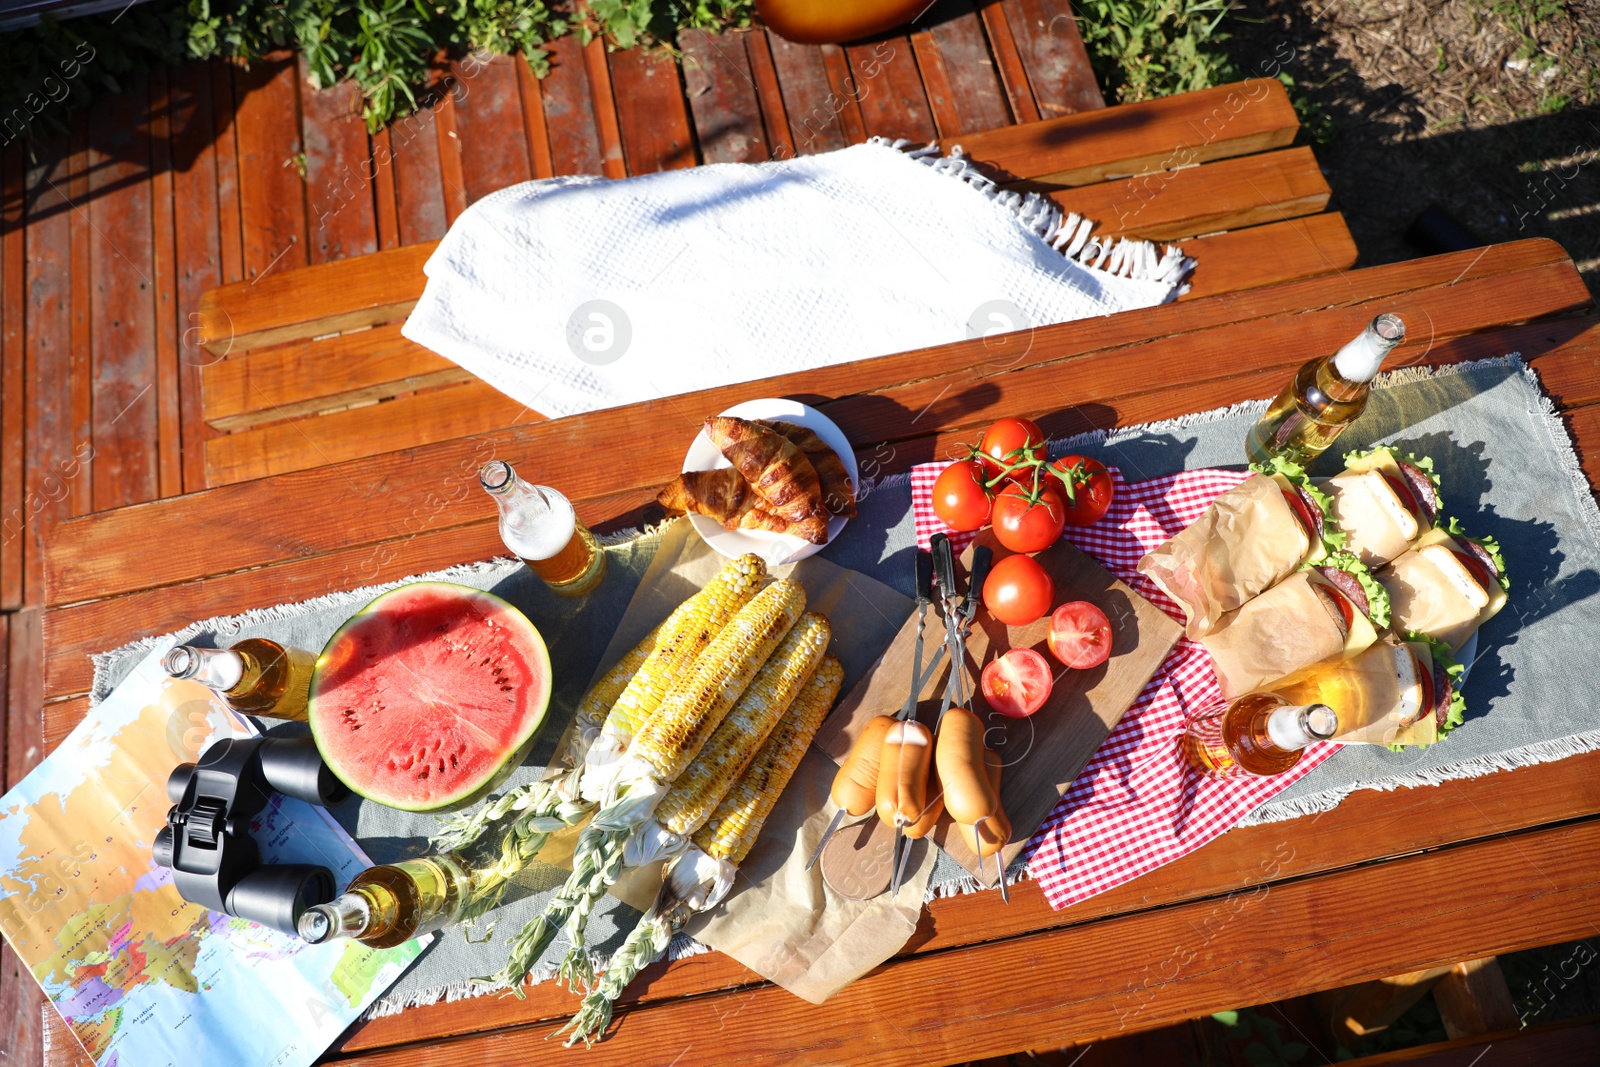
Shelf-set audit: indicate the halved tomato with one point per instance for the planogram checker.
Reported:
(1402, 492)
(1017, 683)
(1080, 635)
(1475, 567)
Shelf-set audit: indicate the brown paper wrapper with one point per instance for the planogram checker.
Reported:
(1278, 634)
(1422, 599)
(1243, 543)
(781, 921)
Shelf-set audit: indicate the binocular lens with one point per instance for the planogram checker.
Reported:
(278, 895)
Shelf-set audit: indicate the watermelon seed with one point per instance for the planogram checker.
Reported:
(424, 773)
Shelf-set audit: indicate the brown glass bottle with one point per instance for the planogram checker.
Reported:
(1258, 734)
(256, 676)
(391, 904)
(1326, 395)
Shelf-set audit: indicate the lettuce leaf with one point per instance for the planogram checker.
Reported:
(1489, 545)
(1457, 712)
(1333, 538)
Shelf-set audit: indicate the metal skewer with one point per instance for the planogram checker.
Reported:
(908, 711)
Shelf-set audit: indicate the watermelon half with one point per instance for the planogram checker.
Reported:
(428, 696)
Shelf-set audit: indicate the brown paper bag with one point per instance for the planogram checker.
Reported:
(780, 921)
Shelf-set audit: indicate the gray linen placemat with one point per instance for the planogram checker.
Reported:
(1508, 469)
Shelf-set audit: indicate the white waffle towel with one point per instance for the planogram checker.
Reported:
(574, 294)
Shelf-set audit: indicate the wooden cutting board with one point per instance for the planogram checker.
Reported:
(1044, 752)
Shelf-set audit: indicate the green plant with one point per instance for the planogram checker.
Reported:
(387, 47)
(1146, 48)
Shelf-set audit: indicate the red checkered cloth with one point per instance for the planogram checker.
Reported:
(1138, 804)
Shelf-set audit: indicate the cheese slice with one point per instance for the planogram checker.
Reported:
(1433, 593)
(1276, 635)
(1246, 541)
(1376, 525)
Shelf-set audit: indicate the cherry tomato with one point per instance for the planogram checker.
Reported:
(1090, 498)
(1002, 443)
(1018, 590)
(959, 498)
(1080, 635)
(1024, 526)
(1017, 683)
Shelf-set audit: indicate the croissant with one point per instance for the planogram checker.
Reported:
(724, 495)
(773, 465)
(838, 496)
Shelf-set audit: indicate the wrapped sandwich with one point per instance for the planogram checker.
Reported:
(1331, 611)
(1447, 585)
(1383, 502)
(1396, 693)
(1247, 541)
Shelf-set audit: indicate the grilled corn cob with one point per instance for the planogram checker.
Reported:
(674, 735)
(668, 742)
(699, 878)
(690, 629)
(731, 831)
(697, 791)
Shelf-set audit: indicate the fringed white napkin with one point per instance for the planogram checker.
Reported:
(573, 294)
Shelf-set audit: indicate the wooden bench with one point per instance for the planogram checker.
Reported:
(311, 367)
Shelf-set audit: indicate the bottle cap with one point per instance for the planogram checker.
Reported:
(1359, 360)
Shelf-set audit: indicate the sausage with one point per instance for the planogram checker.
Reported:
(902, 793)
(968, 796)
(855, 785)
(991, 835)
(930, 814)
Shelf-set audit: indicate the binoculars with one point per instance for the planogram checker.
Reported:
(207, 844)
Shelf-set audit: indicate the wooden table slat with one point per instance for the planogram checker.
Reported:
(272, 188)
(722, 97)
(123, 307)
(489, 125)
(977, 97)
(889, 90)
(651, 116)
(342, 212)
(569, 111)
(1052, 51)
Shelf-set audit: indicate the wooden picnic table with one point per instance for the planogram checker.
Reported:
(1384, 883)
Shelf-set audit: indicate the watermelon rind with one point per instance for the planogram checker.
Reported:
(325, 731)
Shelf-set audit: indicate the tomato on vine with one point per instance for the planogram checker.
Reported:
(1008, 442)
(960, 495)
(1085, 486)
(1026, 520)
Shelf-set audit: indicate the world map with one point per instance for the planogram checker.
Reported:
(143, 977)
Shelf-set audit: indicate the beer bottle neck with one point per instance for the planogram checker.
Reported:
(215, 668)
(348, 915)
(536, 521)
(1293, 727)
(1358, 362)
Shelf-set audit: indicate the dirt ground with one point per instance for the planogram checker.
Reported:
(1490, 112)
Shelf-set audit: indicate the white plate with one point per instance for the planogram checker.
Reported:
(775, 548)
